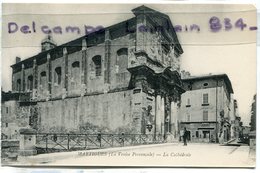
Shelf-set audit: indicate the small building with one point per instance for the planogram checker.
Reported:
(206, 107)
(9, 122)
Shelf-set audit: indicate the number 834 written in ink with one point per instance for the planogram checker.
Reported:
(216, 24)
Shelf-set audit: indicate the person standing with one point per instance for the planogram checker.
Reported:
(185, 136)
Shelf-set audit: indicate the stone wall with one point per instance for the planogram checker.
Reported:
(48, 88)
(111, 111)
(8, 115)
(154, 48)
(9, 151)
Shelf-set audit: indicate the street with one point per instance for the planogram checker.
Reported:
(168, 155)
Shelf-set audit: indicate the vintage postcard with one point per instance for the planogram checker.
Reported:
(136, 85)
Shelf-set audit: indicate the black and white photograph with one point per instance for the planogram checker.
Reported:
(129, 85)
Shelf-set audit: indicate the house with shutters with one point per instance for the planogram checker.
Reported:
(208, 109)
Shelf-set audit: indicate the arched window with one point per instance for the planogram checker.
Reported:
(122, 59)
(43, 78)
(30, 82)
(75, 72)
(75, 64)
(57, 75)
(97, 63)
(18, 85)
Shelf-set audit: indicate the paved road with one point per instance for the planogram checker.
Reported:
(205, 155)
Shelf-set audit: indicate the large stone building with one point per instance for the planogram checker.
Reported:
(121, 78)
(208, 110)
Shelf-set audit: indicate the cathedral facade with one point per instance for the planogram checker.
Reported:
(121, 78)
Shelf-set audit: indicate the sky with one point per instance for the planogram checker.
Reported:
(230, 51)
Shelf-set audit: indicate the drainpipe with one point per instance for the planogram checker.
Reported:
(216, 112)
(155, 119)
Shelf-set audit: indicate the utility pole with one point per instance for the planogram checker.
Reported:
(216, 111)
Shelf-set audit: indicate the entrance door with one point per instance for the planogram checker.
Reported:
(206, 135)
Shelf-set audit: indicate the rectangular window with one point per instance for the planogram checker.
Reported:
(6, 124)
(6, 110)
(18, 85)
(30, 121)
(205, 134)
(205, 115)
(188, 102)
(188, 117)
(205, 99)
(197, 134)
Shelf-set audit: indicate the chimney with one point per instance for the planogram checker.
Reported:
(17, 59)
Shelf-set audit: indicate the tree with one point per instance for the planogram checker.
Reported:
(253, 114)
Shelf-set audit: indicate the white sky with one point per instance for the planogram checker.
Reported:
(232, 52)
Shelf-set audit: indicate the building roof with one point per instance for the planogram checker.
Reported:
(75, 45)
(211, 76)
